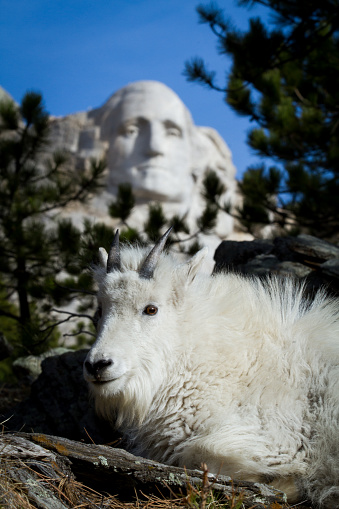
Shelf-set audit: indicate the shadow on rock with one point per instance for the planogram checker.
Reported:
(59, 404)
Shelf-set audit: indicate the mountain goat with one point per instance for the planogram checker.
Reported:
(238, 373)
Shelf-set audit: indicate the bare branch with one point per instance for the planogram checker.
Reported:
(78, 315)
(9, 315)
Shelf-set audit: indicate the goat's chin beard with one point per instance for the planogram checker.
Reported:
(123, 401)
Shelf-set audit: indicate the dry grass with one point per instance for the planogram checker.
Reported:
(75, 495)
(72, 494)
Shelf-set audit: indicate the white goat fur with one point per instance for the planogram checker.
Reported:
(234, 372)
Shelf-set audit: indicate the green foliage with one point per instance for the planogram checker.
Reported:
(130, 236)
(124, 203)
(179, 225)
(10, 330)
(286, 80)
(207, 221)
(9, 115)
(193, 248)
(260, 183)
(94, 235)
(37, 247)
(213, 188)
(155, 222)
(212, 192)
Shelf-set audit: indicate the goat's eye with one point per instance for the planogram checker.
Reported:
(150, 310)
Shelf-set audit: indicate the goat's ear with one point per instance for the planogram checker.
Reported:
(188, 270)
(103, 256)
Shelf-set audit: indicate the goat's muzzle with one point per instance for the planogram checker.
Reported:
(98, 368)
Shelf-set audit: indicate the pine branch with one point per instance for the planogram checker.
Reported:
(75, 290)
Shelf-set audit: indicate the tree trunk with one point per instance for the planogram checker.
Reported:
(21, 272)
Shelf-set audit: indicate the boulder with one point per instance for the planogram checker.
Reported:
(313, 261)
(59, 403)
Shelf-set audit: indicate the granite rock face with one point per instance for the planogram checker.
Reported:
(4, 95)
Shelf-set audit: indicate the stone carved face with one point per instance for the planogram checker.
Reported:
(148, 129)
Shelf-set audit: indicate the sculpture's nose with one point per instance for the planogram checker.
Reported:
(155, 141)
(97, 368)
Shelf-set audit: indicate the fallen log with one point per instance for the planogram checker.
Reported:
(113, 471)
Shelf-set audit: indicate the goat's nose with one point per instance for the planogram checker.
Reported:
(95, 368)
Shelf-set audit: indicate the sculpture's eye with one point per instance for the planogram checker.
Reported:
(172, 129)
(131, 130)
(150, 310)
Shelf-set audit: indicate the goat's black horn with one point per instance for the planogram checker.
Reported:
(147, 269)
(113, 260)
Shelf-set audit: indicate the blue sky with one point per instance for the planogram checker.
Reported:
(78, 52)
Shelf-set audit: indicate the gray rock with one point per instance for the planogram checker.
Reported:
(270, 264)
(331, 267)
(232, 253)
(313, 261)
(313, 247)
(59, 403)
(293, 269)
(30, 367)
(262, 264)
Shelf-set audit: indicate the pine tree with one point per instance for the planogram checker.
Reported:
(285, 79)
(36, 246)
